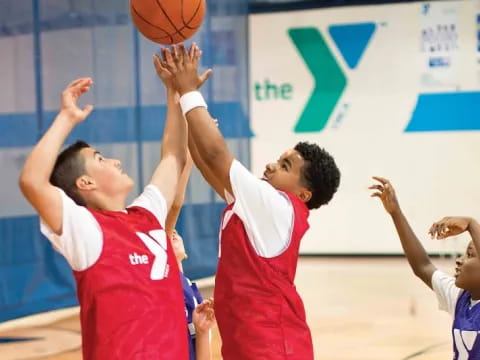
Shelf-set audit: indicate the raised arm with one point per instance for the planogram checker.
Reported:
(174, 142)
(451, 226)
(206, 172)
(416, 255)
(179, 199)
(210, 151)
(35, 177)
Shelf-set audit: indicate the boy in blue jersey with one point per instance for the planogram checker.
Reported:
(458, 295)
(199, 313)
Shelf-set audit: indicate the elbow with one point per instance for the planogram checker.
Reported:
(27, 184)
(24, 182)
(417, 272)
(422, 270)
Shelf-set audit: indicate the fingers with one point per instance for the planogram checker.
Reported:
(183, 54)
(383, 186)
(177, 53)
(433, 230)
(191, 51)
(80, 82)
(157, 62)
(160, 66)
(79, 86)
(205, 305)
(196, 53)
(87, 110)
(381, 180)
(441, 229)
(376, 187)
(204, 77)
(163, 52)
(168, 59)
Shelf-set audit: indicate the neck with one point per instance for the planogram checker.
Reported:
(475, 294)
(101, 202)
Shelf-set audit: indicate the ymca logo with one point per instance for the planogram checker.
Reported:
(330, 80)
(156, 242)
(464, 341)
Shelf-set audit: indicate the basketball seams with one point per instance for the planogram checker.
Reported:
(153, 25)
(170, 20)
(171, 35)
(187, 24)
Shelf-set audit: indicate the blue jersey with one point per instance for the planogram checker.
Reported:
(466, 328)
(192, 298)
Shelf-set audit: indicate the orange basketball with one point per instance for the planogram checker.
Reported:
(167, 21)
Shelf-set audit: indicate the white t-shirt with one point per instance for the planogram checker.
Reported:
(447, 292)
(266, 213)
(82, 238)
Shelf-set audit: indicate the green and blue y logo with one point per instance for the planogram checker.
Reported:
(330, 81)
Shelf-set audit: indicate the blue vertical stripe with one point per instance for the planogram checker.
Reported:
(138, 104)
(37, 63)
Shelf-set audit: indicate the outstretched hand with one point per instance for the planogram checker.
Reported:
(449, 226)
(183, 67)
(385, 192)
(70, 97)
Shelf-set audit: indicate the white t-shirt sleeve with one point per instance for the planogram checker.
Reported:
(266, 213)
(81, 240)
(154, 201)
(446, 291)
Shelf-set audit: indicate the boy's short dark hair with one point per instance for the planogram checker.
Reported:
(69, 166)
(320, 174)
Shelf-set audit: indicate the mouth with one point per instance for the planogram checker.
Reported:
(264, 177)
(457, 272)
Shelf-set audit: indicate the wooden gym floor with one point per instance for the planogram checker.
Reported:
(357, 309)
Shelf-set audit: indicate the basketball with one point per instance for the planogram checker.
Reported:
(167, 21)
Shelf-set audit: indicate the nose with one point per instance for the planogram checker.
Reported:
(459, 260)
(271, 167)
(117, 163)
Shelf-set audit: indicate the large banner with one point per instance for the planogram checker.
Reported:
(390, 90)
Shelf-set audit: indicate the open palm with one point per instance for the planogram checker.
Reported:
(70, 97)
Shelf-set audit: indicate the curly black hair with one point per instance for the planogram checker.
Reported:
(69, 166)
(320, 174)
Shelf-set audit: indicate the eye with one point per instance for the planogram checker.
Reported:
(100, 158)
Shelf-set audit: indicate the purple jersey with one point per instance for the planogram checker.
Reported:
(466, 328)
(192, 298)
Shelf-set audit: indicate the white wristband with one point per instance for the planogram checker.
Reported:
(192, 100)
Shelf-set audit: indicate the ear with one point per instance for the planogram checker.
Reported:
(305, 195)
(85, 182)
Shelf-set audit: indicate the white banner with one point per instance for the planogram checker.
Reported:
(389, 90)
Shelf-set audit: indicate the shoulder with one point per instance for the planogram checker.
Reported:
(152, 200)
